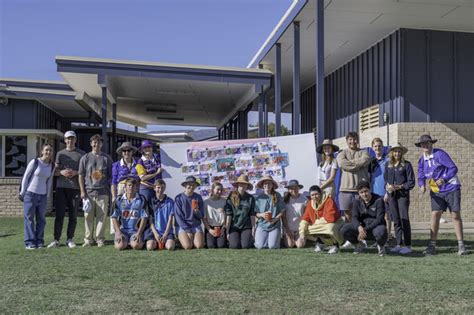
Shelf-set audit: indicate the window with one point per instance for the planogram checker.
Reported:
(369, 118)
(15, 148)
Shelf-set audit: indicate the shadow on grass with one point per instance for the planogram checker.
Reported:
(7, 234)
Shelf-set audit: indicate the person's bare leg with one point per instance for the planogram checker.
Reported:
(457, 222)
(150, 245)
(185, 240)
(170, 244)
(435, 216)
(199, 240)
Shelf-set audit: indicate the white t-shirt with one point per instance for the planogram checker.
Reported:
(214, 211)
(294, 210)
(325, 173)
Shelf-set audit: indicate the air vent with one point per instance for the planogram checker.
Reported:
(369, 118)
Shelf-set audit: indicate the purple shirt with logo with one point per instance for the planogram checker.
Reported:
(121, 171)
(438, 165)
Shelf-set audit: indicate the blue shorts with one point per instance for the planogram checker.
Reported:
(148, 235)
(127, 235)
(443, 201)
(193, 230)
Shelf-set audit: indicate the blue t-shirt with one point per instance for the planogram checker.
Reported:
(376, 171)
(264, 203)
(130, 212)
(162, 211)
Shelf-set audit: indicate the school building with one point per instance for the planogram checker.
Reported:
(385, 68)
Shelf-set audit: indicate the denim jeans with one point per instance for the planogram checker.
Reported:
(34, 209)
(265, 239)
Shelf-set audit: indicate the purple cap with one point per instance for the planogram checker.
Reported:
(146, 144)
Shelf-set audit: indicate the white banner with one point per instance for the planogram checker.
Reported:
(285, 158)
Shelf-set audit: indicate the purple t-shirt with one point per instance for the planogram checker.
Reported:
(438, 165)
(121, 171)
(186, 218)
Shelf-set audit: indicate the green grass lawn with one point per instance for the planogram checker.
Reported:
(241, 281)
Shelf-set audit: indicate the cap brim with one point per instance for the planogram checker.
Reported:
(299, 186)
(195, 183)
(319, 149)
(249, 185)
(418, 144)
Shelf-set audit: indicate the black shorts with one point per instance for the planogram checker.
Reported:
(443, 201)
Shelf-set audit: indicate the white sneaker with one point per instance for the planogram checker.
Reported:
(381, 250)
(70, 244)
(30, 247)
(347, 245)
(318, 248)
(87, 244)
(405, 250)
(53, 244)
(333, 250)
(100, 244)
(396, 249)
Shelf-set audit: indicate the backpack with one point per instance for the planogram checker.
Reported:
(30, 176)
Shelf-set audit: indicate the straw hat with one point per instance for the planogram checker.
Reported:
(399, 147)
(243, 179)
(126, 145)
(327, 142)
(265, 178)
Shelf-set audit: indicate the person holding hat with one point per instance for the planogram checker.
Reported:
(148, 169)
(189, 211)
(437, 167)
(67, 189)
(269, 209)
(123, 169)
(95, 174)
(295, 205)
(240, 214)
(399, 180)
(214, 217)
(321, 221)
(328, 167)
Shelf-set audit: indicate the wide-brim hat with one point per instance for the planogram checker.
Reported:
(294, 183)
(126, 145)
(147, 144)
(425, 138)
(190, 180)
(327, 142)
(243, 179)
(265, 178)
(399, 147)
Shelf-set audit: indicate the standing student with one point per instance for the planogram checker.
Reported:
(67, 190)
(35, 190)
(148, 169)
(123, 169)
(95, 173)
(354, 164)
(321, 221)
(269, 209)
(240, 214)
(214, 218)
(368, 220)
(189, 211)
(376, 173)
(161, 231)
(399, 180)
(130, 210)
(437, 167)
(328, 167)
(295, 203)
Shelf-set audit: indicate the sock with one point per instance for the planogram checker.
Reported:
(433, 243)
(460, 243)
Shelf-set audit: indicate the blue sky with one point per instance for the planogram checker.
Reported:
(209, 32)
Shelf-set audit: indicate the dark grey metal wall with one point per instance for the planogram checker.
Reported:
(438, 77)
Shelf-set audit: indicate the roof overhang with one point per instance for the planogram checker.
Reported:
(160, 93)
(57, 96)
(351, 27)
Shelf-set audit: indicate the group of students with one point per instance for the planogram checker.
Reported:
(372, 193)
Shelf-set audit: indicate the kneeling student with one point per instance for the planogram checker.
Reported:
(129, 209)
(368, 220)
(160, 234)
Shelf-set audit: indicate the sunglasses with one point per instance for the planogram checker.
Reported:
(126, 150)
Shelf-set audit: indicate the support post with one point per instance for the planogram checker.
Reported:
(277, 89)
(296, 79)
(104, 119)
(114, 130)
(320, 71)
(261, 122)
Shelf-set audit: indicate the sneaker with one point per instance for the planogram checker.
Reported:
(318, 248)
(430, 250)
(333, 250)
(396, 249)
(359, 248)
(30, 247)
(364, 243)
(87, 244)
(381, 250)
(405, 250)
(70, 244)
(40, 246)
(443, 220)
(53, 244)
(347, 245)
(462, 250)
(100, 244)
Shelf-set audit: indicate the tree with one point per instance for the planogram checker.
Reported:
(271, 130)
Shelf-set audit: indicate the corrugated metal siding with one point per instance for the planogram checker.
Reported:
(371, 78)
(438, 75)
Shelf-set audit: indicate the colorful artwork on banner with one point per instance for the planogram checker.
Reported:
(225, 163)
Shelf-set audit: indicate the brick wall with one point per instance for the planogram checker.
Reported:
(11, 206)
(455, 138)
